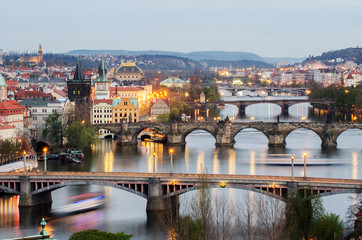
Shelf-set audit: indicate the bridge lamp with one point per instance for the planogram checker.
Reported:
(45, 158)
(223, 185)
(24, 160)
(305, 164)
(171, 163)
(292, 168)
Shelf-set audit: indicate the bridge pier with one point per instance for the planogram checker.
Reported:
(329, 142)
(27, 199)
(224, 136)
(276, 140)
(285, 109)
(155, 200)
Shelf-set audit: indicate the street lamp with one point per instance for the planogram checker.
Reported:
(305, 164)
(154, 165)
(24, 160)
(171, 164)
(45, 158)
(292, 168)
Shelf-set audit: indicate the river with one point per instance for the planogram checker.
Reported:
(126, 212)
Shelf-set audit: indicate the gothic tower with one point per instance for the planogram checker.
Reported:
(79, 90)
(40, 54)
(101, 84)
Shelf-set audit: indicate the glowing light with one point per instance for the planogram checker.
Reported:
(223, 184)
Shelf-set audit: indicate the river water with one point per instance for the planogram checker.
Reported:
(126, 212)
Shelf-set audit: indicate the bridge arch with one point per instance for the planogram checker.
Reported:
(127, 187)
(338, 135)
(243, 131)
(271, 103)
(211, 131)
(229, 185)
(139, 130)
(287, 133)
(8, 190)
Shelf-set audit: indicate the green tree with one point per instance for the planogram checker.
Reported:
(95, 234)
(80, 135)
(8, 150)
(53, 129)
(211, 93)
(327, 227)
(301, 212)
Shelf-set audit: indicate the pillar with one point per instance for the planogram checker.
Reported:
(292, 188)
(285, 109)
(125, 138)
(155, 201)
(175, 137)
(276, 140)
(329, 142)
(28, 200)
(224, 136)
(242, 110)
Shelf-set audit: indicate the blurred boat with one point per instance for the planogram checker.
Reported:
(82, 203)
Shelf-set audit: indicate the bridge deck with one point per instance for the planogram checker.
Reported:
(166, 177)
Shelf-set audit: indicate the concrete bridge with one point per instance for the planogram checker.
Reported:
(283, 104)
(225, 132)
(161, 189)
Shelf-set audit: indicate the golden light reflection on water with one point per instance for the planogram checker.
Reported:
(354, 165)
(9, 211)
(108, 161)
(200, 162)
(216, 163)
(187, 160)
(232, 160)
(252, 162)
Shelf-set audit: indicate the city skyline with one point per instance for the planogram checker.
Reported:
(278, 28)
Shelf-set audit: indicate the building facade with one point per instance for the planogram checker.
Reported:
(125, 110)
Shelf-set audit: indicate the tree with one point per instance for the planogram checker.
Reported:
(327, 227)
(53, 129)
(80, 135)
(95, 234)
(8, 150)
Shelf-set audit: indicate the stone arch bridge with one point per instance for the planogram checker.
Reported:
(225, 132)
(163, 188)
(284, 104)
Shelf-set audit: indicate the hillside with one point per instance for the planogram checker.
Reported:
(348, 54)
(195, 56)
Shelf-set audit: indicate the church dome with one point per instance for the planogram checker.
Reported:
(129, 68)
(2, 81)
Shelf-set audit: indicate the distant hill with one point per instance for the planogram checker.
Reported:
(348, 54)
(196, 56)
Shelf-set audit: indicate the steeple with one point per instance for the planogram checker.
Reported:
(40, 54)
(102, 71)
(79, 74)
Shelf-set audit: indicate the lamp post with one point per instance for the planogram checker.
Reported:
(305, 164)
(24, 160)
(292, 168)
(171, 163)
(154, 165)
(45, 158)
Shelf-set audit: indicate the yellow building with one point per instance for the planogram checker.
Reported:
(33, 59)
(125, 110)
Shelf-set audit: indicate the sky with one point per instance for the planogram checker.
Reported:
(269, 28)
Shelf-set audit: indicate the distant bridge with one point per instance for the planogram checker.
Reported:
(268, 90)
(284, 104)
(225, 132)
(36, 188)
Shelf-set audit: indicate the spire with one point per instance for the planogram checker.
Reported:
(79, 74)
(102, 71)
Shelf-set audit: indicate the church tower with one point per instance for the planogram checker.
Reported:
(101, 84)
(79, 90)
(40, 54)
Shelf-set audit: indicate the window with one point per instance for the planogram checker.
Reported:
(54, 110)
(35, 118)
(34, 110)
(44, 118)
(35, 126)
(44, 110)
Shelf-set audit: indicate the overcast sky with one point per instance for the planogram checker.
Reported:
(269, 28)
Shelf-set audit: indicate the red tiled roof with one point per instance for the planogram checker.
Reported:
(4, 126)
(350, 76)
(23, 94)
(61, 93)
(98, 101)
(11, 107)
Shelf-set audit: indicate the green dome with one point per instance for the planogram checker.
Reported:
(2, 81)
